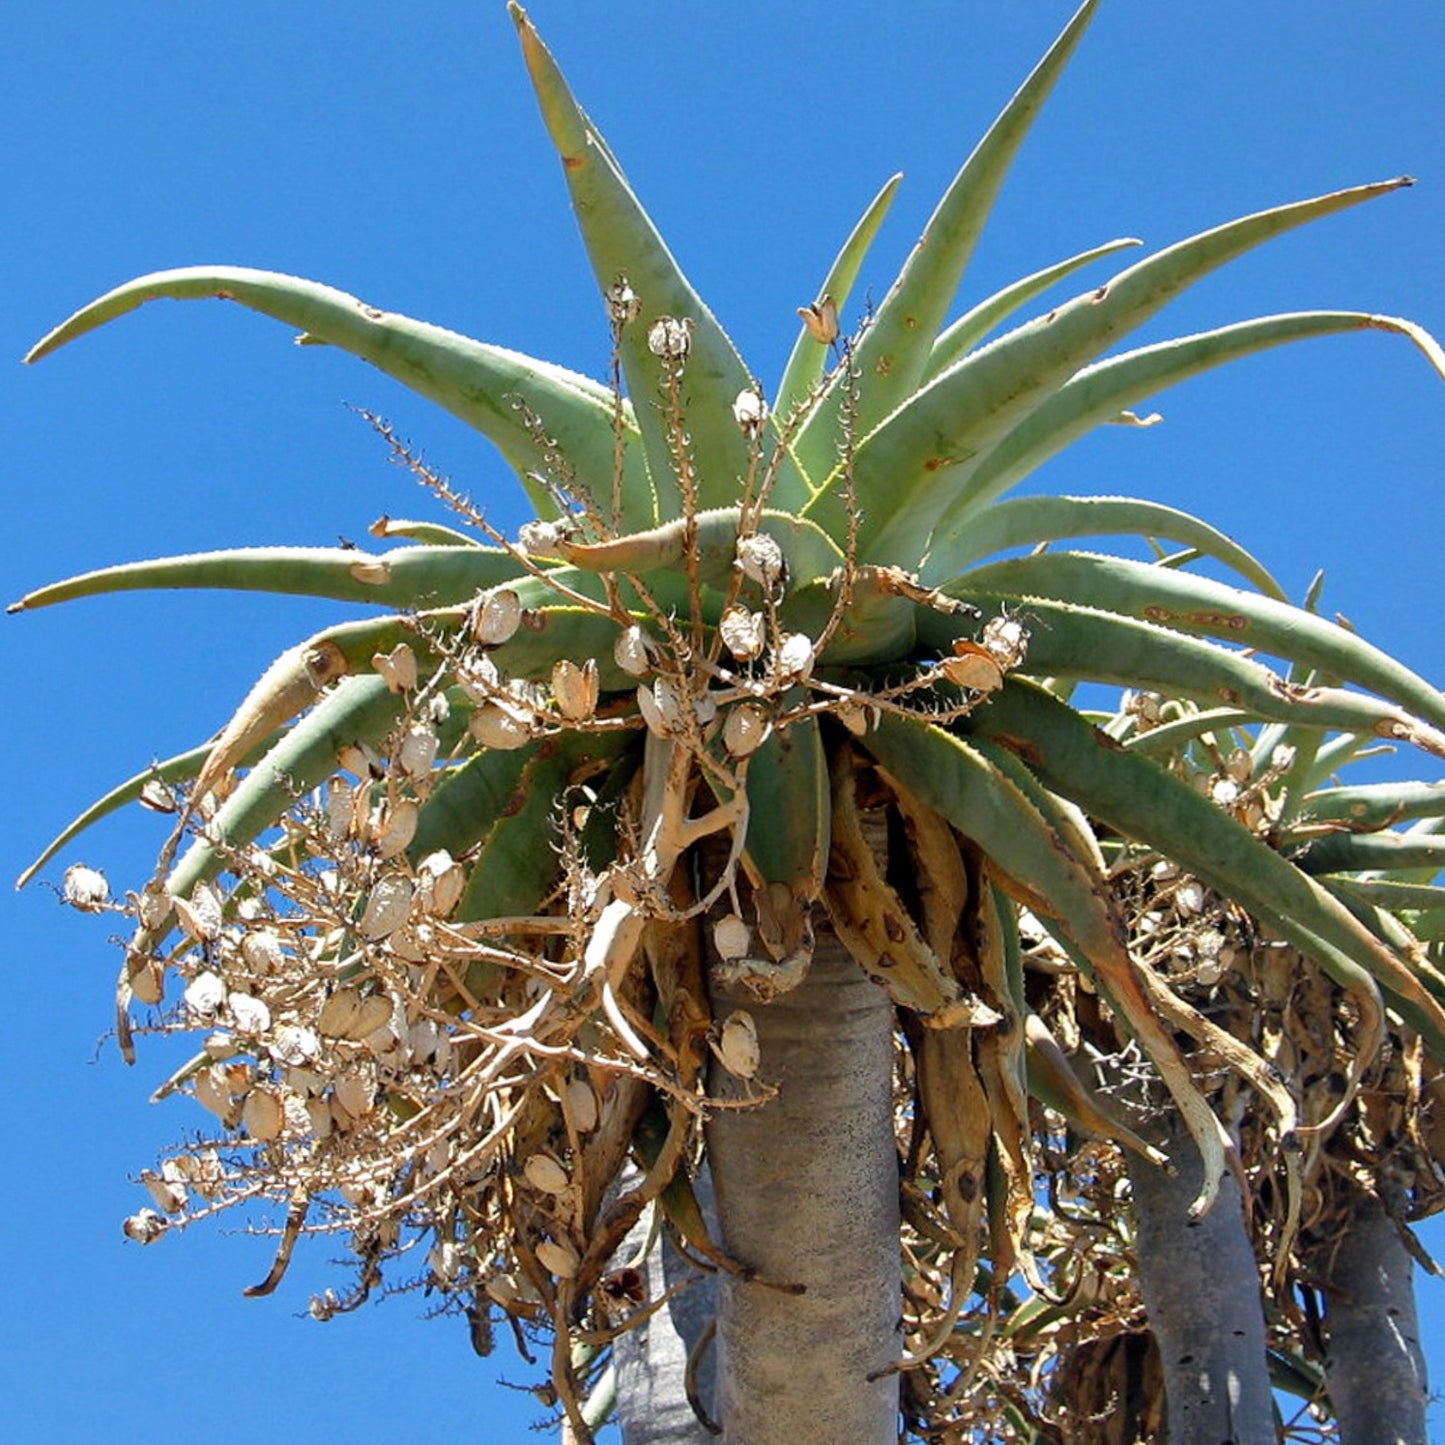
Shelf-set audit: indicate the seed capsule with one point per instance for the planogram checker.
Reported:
(498, 616)
(263, 1115)
(750, 412)
(250, 1013)
(398, 828)
(632, 652)
(795, 657)
(744, 633)
(145, 1227)
(169, 1194)
(441, 883)
(560, 1259)
(761, 558)
(737, 1044)
(582, 1106)
(973, 666)
(205, 994)
(417, 750)
(731, 937)
(545, 1174)
(397, 668)
(503, 728)
(387, 907)
(821, 319)
(575, 688)
(670, 338)
(86, 888)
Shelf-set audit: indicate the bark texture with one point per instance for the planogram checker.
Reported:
(1201, 1288)
(807, 1192)
(1374, 1368)
(651, 1361)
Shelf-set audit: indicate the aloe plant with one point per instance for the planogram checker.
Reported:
(700, 820)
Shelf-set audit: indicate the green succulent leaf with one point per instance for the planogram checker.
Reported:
(894, 350)
(1031, 521)
(901, 471)
(1131, 794)
(1101, 393)
(809, 358)
(1074, 643)
(405, 577)
(490, 388)
(1371, 806)
(1375, 852)
(1197, 605)
(964, 334)
(623, 244)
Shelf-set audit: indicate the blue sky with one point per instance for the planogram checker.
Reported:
(395, 151)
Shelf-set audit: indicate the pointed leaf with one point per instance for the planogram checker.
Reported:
(405, 577)
(479, 383)
(1099, 393)
(900, 467)
(893, 352)
(623, 243)
(809, 357)
(1075, 643)
(971, 328)
(1028, 521)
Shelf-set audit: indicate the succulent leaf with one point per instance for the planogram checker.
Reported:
(479, 383)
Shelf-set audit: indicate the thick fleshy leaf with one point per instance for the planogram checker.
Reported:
(964, 334)
(1074, 643)
(893, 352)
(1372, 852)
(1100, 393)
(1029, 521)
(901, 468)
(405, 577)
(623, 244)
(809, 357)
(1134, 796)
(1199, 605)
(481, 384)
(1371, 806)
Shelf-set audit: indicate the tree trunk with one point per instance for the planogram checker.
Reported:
(1200, 1284)
(1374, 1368)
(807, 1193)
(651, 1360)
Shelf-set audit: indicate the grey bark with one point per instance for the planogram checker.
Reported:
(1375, 1370)
(807, 1192)
(652, 1405)
(1201, 1288)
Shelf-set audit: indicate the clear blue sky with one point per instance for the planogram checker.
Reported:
(395, 151)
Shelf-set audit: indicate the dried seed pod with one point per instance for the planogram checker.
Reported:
(397, 668)
(661, 706)
(445, 1261)
(632, 652)
(760, 558)
(154, 905)
(337, 806)
(1007, 638)
(339, 1013)
(545, 1174)
(575, 688)
(750, 412)
(1239, 765)
(318, 1116)
(623, 303)
(737, 1044)
(251, 1014)
(541, 539)
(387, 906)
(169, 1194)
(213, 1094)
(263, 1115)
(86, 888)
(495, 725)
(581, 1104)
(145, 1227)
(558, 1258)
(744, 633)
(854, 716)
(262, 951)
(795, 657)
(973, 666)
(201, 914)
(497, 617)
(397, 827)
(205, 994)
(417, 750)
(221, 1046)
(360, 759)
(821, 319)
(746, 728)
(670, 338)
(295, 1045)
(423, 1039)
(731, 936)
(441, 882)
(355, 1091)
